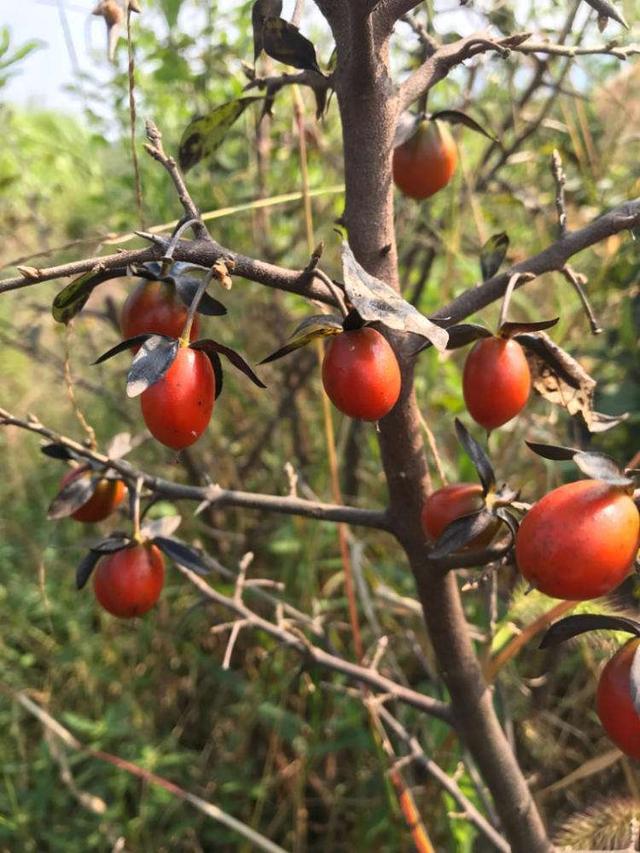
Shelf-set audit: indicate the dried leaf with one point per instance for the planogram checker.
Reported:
(606, 10)
(123, 346)
(58, 451)
(203, 136)
(119, 445)
(405, 127)
(601, 467)
(150, 363)
(510, 330)
(165, 526)
(375, 301)
(559, 378)
(284, 42)
(573, 626)
(493, 254)
(86, 567)
(186, 278)
(113, 15)
(465, 333)
(555, 452)
(113, 543)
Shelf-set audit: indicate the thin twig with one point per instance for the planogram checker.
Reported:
(132, 120)
(560, 179)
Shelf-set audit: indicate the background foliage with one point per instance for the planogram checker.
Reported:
(268, 741)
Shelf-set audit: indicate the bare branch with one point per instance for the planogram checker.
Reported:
(212, 494)
(298, 642)
(622, 218)
(560, 178)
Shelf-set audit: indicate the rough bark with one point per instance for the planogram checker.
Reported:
(368, 108)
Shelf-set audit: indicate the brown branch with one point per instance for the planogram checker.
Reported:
(299, 643)
(213, 495)
(621, 218)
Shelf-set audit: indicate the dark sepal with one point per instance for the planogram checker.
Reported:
(187, 283)
(72, 496)
(318, 326)
(573, 626)
(493, 254)
(112, 543)
(457, 117)
(510, 330)
(150, 363)
(86, 567)
(353, 321)
(478, 456)
(509, 519)
(465, 333)
(183, 554)
(59, 451)
(135, 341)
(72, 298)
(460, 532)
(555, 452)
(209, 346)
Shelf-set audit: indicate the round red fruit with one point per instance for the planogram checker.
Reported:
(425, 162)
(496, 381)
(450, 503)
(361, 375)
(129, 582)
(178, 407)
(155, 307)
(614, 703)
(579, 541)
(108, 494)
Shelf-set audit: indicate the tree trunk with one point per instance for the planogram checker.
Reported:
(368, 109)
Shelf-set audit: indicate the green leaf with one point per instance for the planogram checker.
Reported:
(284, 42)
(492, 255)
(72, 298)
(204, 135)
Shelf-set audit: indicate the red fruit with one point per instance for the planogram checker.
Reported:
(178, 407)
(154, 306)
(107, 496)
(579, 541)
(425, 162)
(361, 375)
(450, 503)
(129, 582)
(496, 381)
(615, 706)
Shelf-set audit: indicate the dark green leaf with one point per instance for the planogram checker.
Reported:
(601, 467)
(573, 626)
(284, 42)
(86, 567)
(493, 254)
(510, 330)
(204, 135)
(260, 10)
(456, 117)
(72, 496)
(477, 455)
(235, 358)
(375, 301)
(555, 452)
(182, 554)
(72, 298)
(318, 326)
(460, 532)
(150, 363)
(465, 333)
(135, 341)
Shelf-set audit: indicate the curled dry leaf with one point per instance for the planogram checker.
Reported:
(559, 378)
(113, 15)
(375, 301)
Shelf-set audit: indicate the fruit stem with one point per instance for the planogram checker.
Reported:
(506, 300)
(188, 323)
(175, 238)
(334, 290)
(135, 509)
